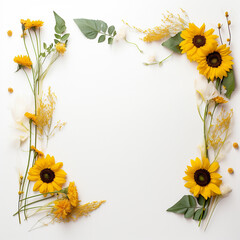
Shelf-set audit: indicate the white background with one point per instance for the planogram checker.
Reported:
(131, 130)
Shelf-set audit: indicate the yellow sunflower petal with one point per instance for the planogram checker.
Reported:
(57, 166)
(37, 185)
(213, 167)
(214, 188)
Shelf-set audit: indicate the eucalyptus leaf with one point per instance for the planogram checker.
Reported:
(60, 24)
(111, 29)
(229, 83)
(189, 213)
(57, 36)
(65, 37)
(90, 28)
(101, 38)
(56, 41)
(183, 205)
(201, 200)
(173, 43)
(110, 40)
(197, 214)
(44, 45)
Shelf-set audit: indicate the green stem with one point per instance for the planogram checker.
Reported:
(28, 80)
(141, 51)
(159, 63)
(25, 202)
(25, 45)
(204, 129)
(215, 202)
(31, 204)
(41, 194)
(32, 43)
(200, 220)
(29, 155)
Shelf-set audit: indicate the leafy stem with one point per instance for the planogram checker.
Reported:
(203, 208)
(141, 51)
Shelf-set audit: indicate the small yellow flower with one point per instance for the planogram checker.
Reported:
(10, 90)
(9, 33)
(31, 117)
(229, 22)
(235, 145)
(28, 24)
(73, 194)
(226, 14)
(63, 208)
(39, 153)
(61, 48)
(230, 170)
(219, 25)
(23, 61)
(220, 100)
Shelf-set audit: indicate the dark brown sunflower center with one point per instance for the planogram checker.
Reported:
(199, 41)
(202, 177)
(214, 59)
(47, 175)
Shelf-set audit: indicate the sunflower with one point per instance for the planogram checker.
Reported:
(23, 61)
(215, 63)
(196, 40)
(63, 208)
(202, 178)
(28, 24)
(73, 194)
(48, 175)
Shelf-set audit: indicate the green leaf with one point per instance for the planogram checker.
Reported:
(111, 29)
(90, 28)
(110, 40)
(173, 43)
(60, 24)
(44, 45)
(229, 83)
(101, 38)
(57, 36)
(65, 37)
(114, 33)
(43, 54)
(104, 27)
(189, 213)
(201, 200)
(198, 213)
(56, 41)
(183, 205)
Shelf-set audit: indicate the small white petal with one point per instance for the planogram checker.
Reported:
(225, 189)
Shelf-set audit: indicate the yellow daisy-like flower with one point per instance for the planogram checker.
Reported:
(220, 100)
(215, 63)
(28, 24)
(61, 48)
(48, 175)
(73, 194)
(39, 153)
(196, 40)
(31, 117)
(23, 61)
(202, 178)
(63, 208)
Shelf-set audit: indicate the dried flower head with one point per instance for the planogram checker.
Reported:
(219, 131)
(171, 25)
(62, 208)
(73, 194)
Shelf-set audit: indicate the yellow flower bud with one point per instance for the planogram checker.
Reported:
(9, 33)
(230, 170)
(235, 145)
(229, 22)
